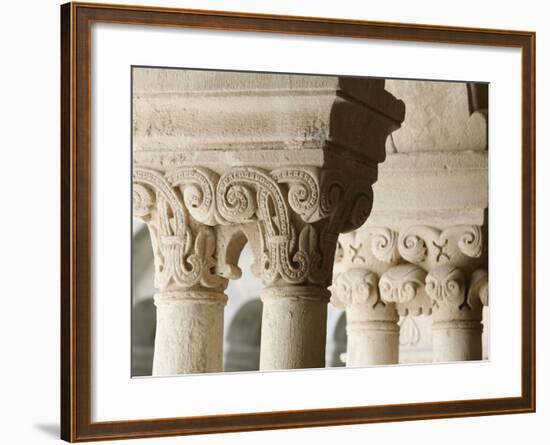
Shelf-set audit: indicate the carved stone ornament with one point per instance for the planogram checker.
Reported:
(431, 246)
(298, 211)
(400, 284)
(446, 286)
(355, 287)
(384, 242)
(409, 333)
(378, 247)
(183, 251)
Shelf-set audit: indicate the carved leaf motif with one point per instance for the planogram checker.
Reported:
(384, 244)
(278, 202)
(409, 333)
(470, 242)
(412, 246)
(419, 244)
(180, 258)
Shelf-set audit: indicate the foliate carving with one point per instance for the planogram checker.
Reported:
(446, 286)
(183, 253)
(420, 244)
(299, 212)
(304, 195)
(412, 246)
(400, 284)
(384, 243)
(377, 247)
(479, 288)
(354, 287)
(198, 188)
(409, 332)
(470, 240)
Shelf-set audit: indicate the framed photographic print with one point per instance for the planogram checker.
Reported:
(276, 222)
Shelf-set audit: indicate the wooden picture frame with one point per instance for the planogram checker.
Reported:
(76, 221)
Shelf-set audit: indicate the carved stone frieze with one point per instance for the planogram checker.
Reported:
(381, 247)
(431, 247)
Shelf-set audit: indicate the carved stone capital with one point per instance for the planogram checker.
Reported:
(355, 287)
(356, 291)
(400, 284)
(183, 250)
(296, 214)
(448, 289)
(446, 286)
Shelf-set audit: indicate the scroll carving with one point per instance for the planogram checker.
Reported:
(299, 212)
(420, 244)
(183, 253)
(354, 287)
(400, 284)
(446, 286)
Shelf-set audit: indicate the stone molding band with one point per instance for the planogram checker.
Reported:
(190, 297)
(302, 292)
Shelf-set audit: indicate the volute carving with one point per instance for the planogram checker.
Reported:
(299, 212)
(431, 246)
(183, 251)
(377, 248)
(446, 286)
(355, 287)
(400, 284)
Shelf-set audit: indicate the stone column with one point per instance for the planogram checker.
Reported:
(189, 336)
(457, 324)
(430, 206)
(293, 327)
(189, 333)
(283, 162)
(373, 333)
(373, 308)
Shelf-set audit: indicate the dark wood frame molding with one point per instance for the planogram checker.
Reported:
(76, 391)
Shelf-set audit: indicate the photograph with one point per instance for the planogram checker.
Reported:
(285, 221)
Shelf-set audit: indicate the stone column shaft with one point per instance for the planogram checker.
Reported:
(294, 325)
(371, 341)
(372, 330)
(456, 340)
(457, 328)
(189, 335)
